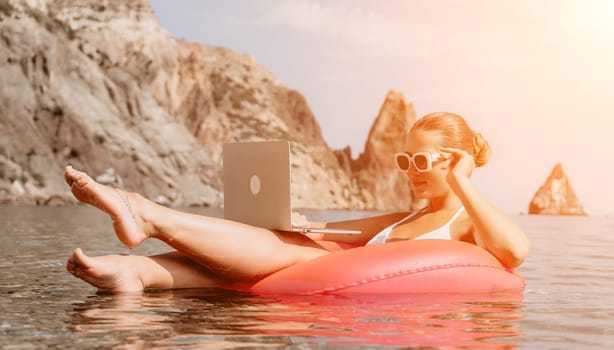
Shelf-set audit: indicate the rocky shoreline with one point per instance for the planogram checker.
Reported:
(100, 85)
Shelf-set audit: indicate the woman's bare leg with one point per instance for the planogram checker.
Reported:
(130, 273)
(129, 227)
(235, 250)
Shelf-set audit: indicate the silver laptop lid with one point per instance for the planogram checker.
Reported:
(257, 183)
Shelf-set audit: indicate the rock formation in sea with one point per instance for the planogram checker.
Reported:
(556, 196)
(100, 85)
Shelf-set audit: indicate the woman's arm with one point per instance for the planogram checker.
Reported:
(493, 229)
(369, 227)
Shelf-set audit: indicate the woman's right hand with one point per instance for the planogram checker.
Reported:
(461, 165)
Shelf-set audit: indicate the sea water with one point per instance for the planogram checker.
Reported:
(568, 301)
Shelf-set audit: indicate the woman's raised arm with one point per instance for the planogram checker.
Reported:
(493, 229)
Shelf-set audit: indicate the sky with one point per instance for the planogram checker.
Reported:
(535, 77)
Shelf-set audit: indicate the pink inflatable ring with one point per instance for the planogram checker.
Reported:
(421, 266)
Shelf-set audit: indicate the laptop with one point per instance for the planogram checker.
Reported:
(257, 182)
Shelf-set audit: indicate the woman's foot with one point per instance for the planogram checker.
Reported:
(114, 273)
(124, 208)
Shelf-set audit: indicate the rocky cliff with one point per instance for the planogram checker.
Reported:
(100, 85)
(375, 173)
(556, 196)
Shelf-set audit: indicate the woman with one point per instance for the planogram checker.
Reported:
(440, 156)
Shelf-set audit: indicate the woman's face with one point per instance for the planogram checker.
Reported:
(433, 182)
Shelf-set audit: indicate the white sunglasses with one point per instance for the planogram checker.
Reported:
(422, 161)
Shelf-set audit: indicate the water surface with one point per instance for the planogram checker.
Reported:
(568, 301)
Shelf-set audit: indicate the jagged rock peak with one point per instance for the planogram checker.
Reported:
(374, 171)
(558, 172)
(556, 196)
(395, 116)
(390, 128)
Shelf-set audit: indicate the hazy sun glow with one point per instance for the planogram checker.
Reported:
(597, 16)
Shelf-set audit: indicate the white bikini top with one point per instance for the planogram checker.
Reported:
(441, 233)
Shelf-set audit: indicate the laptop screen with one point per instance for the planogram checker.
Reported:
(257, 183)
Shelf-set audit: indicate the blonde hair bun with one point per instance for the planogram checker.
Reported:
(481, 150)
